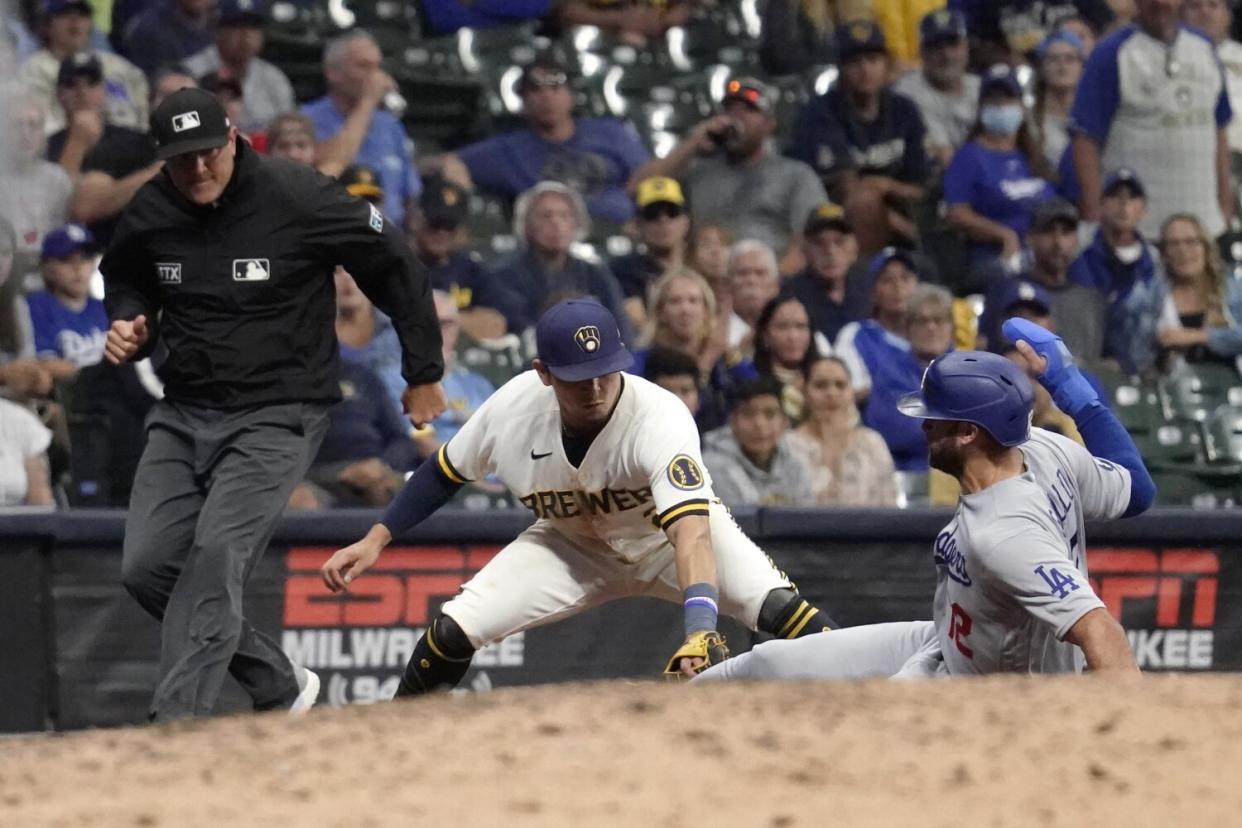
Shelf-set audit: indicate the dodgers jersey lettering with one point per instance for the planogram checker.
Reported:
(1011, 566)
(642, 472)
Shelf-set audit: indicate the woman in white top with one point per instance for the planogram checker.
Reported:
(850, 464)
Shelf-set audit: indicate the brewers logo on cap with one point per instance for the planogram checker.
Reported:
(587, 338)
(860, 30)
(449, 195)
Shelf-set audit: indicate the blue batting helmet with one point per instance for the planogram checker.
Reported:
(975, 387)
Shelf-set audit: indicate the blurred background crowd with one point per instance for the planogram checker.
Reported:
(792, 207)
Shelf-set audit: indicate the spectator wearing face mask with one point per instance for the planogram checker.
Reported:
(992, 185)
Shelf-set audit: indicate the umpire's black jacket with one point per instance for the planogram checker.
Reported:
(239, 295)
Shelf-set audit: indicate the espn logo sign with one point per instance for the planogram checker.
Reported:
(404, 587)
(1166, 600)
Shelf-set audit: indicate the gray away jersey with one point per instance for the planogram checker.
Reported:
(1011, 566)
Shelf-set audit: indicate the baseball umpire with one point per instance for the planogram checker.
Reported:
(609, 464)
(1012, 594)
(221, 270)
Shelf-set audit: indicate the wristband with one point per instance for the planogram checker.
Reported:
(701, 609)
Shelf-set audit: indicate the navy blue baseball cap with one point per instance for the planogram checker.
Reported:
(860, 37)
(1001, 77)
(882, 259)
(51, 8)
(1025, 292)
(1124, 177)
(578, 339)
(941, 26)
(66, 240)
(241, 12)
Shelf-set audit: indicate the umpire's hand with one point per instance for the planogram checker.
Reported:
(423, 403)
(126, 338)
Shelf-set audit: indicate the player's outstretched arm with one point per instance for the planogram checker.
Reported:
(696, 574)
(1102, 433)
(1104, 643)
(427, 490)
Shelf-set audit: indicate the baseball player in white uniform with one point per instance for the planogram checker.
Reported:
(609, 464)
(1012, 593)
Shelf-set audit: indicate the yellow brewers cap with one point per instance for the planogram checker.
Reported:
(659, 189)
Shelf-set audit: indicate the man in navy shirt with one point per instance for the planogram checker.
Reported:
(487, 308)
(663, 227)
(350, 124)
(833, 286)
(866, 141)
(548, 220)
(595, 156)
(1123, 266)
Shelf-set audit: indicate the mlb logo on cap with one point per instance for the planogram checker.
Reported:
(186, 120)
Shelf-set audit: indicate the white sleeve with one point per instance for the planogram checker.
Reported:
(671, 455)
(28, 433)
(470, 455)
(845, 349)
(1034, 569)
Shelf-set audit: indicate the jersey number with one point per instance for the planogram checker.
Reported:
(959, 628)
(1058, 583)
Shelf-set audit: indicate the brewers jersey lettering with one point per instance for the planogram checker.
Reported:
(600, 526)
(1011, 581)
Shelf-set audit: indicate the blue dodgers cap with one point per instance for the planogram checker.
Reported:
(882, 259)
(578, 339)
(1061, 36)
(241, 12)
(1000, 77)
(941, 26)
(67, 240)
(1124, 177)
(1025, 292)
(51, 8)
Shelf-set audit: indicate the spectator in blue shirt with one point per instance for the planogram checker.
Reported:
(350, 124)
(367, 337)
(69, 324)
(547, 220)
(595, 156)
(866, 141)
(992, 187)
(465, 389)
(487, 308)
(1123, 266)
(1153, 98)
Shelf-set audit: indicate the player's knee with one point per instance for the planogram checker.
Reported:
(786, 614)
(450, 639)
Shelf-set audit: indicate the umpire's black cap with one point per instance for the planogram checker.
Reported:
(189, 120)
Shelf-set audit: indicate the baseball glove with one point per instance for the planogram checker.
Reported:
(709, 646)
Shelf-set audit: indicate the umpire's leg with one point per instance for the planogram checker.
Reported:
(251, 460)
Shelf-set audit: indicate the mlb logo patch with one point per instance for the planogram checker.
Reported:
(251, 270)
(186, 120)
(377, 220)
(169, 272)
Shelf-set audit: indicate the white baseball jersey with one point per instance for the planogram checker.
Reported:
(642, 472)
(1011, 565)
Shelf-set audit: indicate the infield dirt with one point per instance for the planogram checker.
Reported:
(1005, 751)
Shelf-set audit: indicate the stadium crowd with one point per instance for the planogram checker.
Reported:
(791, 206)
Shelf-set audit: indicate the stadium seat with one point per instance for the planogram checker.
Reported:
(1223, 435)
(443, 110)
(1196, 391)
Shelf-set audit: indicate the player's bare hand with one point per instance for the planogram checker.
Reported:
(1036, 363)
(423, 403)
(349, 563)
(690, 666)
(125, 338)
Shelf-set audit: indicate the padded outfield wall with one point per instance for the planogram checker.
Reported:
(78, 652)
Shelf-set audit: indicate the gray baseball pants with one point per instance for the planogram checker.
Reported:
(208, 493)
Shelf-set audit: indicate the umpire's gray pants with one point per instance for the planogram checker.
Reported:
(207, 495)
